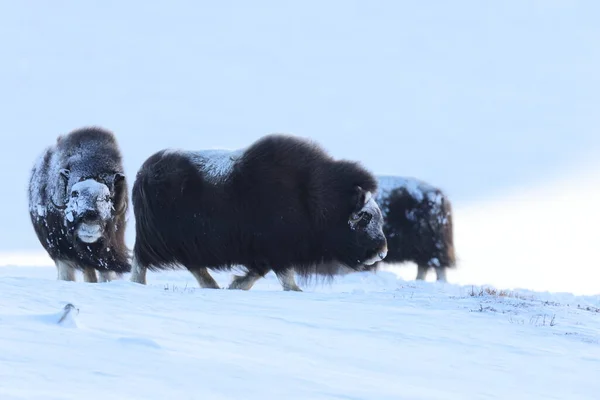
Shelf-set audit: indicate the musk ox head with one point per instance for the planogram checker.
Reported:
(90, 204)
(366, 229)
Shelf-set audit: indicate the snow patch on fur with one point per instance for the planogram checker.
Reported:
(36, 203)
(375, 225)
(215, 164)
(415, 187)
(418, 190)
(93, 195)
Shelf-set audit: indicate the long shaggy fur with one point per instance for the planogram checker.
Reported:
(281, 203)
(418, 224)
(87, 155)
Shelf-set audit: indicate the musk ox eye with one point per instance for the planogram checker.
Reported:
(366, 218)
(362, 217)
(74, 193)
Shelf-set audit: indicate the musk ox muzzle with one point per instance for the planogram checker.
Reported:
(88, 209)
(377, 255)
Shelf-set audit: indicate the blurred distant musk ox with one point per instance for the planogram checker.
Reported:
(418, 225)
(281, 204)
(77, 204)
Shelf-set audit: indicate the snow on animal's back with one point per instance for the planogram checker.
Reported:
(215, 164)
(37, 184)
(417, 189)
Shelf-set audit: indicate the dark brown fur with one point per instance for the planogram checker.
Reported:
(418, 225)
(284, 204)
(87, 153)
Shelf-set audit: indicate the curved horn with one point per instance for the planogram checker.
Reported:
(61, 207)
(121, 209)
(64, 174)
(118, 184)
(368, 196)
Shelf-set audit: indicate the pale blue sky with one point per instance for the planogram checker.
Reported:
(473, 96)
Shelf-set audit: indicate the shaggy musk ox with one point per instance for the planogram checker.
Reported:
(77, 204)
(418, 225)
(281, 204)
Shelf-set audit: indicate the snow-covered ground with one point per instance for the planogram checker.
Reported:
(367, 336)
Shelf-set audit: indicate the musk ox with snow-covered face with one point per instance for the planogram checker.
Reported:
(418, 225)
(281, 204)
(77, 204)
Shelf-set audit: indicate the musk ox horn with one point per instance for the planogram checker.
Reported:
(362, 197)
(120, 198)
(58, 207)
(61, 191)
(368, 196)
(121, 209)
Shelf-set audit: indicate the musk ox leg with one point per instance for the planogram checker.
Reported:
(89, 275)
(422, 272)
(441, 274)
(244, 282)
(65, 271)
(138, 272)
(105, 276)
(287, 280)
(204, 279)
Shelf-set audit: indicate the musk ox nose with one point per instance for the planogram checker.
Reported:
(90, 216)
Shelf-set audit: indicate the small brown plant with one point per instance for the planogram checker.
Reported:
(495, 292)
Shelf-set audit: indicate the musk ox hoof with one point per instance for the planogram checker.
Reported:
(238, 283)
(244, 282)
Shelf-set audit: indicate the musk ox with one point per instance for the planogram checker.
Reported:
(282, 203)
(417, 225)
(77, 204)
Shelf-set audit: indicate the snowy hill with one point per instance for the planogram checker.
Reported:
(365, 337)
